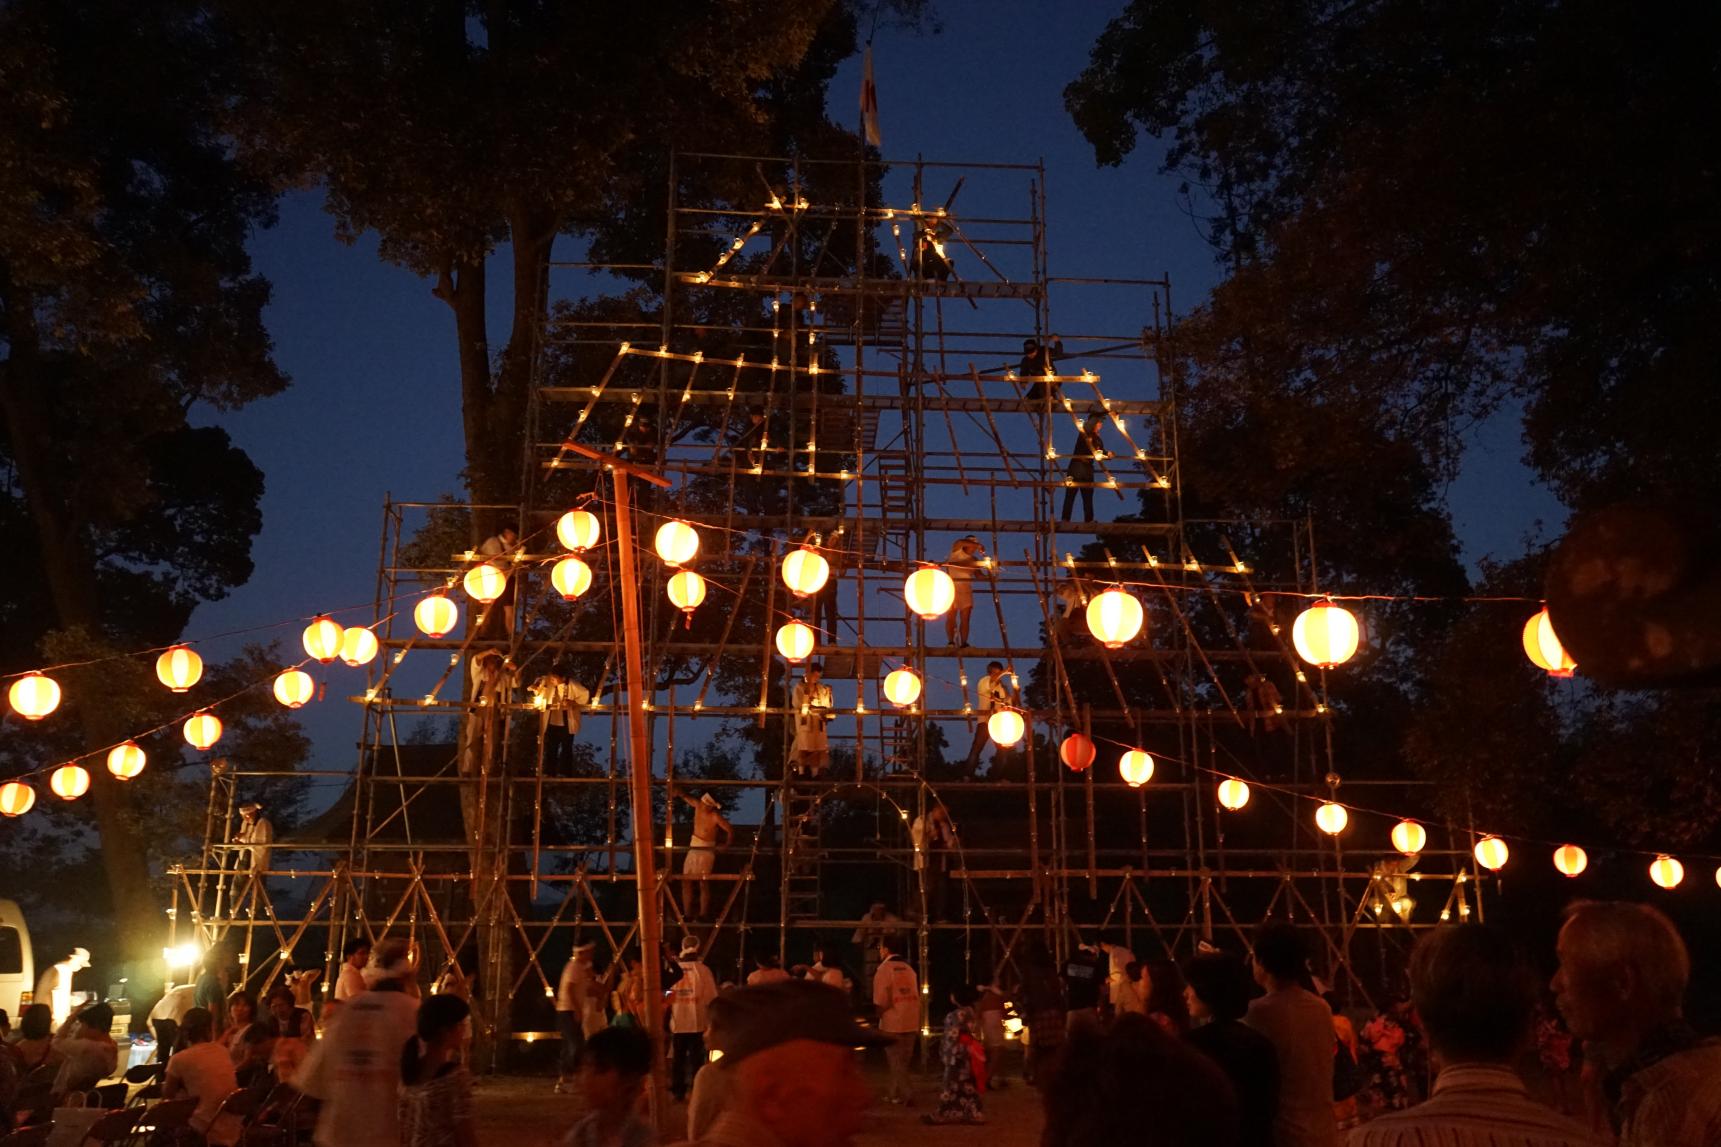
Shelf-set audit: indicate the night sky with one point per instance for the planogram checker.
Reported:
(374, 406)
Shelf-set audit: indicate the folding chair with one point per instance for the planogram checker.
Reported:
(162, 1122)
(33, 1136)
(114, 1127)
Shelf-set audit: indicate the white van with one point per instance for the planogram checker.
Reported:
(17, 960)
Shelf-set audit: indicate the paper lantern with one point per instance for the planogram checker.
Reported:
(69, 782)
(1005, 727)
(1114, 618)
(16, 798)
(1492, 853)
(1543, 647)
(929, 592)
(1136, 768)
(795, 642)
(323, 639)
(1666, 871)
(293, 688)
(358, 646)
(1409, 837)
(902, 687)
(126, 761)
(578, 530)
(484, 583)
(202, 729)
(1331, 818)
(686, 591)
(34, 696)
(1233, 793)
(1570, 859)
(179, 668)
(1325, 635)
(1077, 752)
(436, 615)
(571, 577)
(805, 571)
(677, 542)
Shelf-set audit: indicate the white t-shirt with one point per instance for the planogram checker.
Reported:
(692, 996)
(896, 994)
(573, 991)
(766, 976)
(174, 1004)
(205, 1071)
(355, 1070)
(351, 983)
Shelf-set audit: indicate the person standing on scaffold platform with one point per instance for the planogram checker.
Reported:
(811, 701)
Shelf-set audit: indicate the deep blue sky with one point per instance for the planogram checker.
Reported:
(374, 406)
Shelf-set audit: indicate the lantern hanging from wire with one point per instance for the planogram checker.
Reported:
(126, 761)
(16, 798)
(69, 782)
(571, 577)
(202, 729)
(484, 583)
(1233, 793)
(1570, 860)
(34, 695)
(1542, 646)
(578, 530)
(1114, 618)
(1331, 818)
(1006, 727)
(358, 646)
(1666, 871)
(436, 615)
(929, 592)
(1326, 635)
(1408, 837)
(179, 668)
(294, 687)
(686, 591)
(1492, 853)
(795, 642)
(805, 571)
(677, 542)
(1135, 767)
(323, 639)
(902, 687)
(1077, 752)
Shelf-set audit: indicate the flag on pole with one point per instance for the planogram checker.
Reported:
(869, 102)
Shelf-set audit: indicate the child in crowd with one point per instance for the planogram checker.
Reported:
(964, 1062)
(991, 1012)
(613, 1068)
(436, 1103)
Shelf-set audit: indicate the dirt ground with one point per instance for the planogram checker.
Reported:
(524, 1111)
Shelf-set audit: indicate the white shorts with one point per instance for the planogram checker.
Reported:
(701, 859)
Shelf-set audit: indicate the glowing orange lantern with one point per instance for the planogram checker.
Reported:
(293, 688)
(16, 798)
(1570, 859)
(1543, 647)
(1233, 793)
(1492, 853)
(436, 615)
(795, 642)
(323, 639)
(1006, 727)
(179, 668)
(1326, 635)
(1409, 837)
(571, 577)
(677, 542)
(69, 782)
(902, 687)
(1331, 818)
(805, 571)
(1077, 751)
(1114, 618)
(126, 761)
(1136, 768)
(34, 696)
(578, 530)
(358, 646)
(484, 583)
(686, 591)
(929, 592)
(1666, 871)
(202, 729)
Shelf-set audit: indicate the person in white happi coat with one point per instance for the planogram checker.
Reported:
(811, 704)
